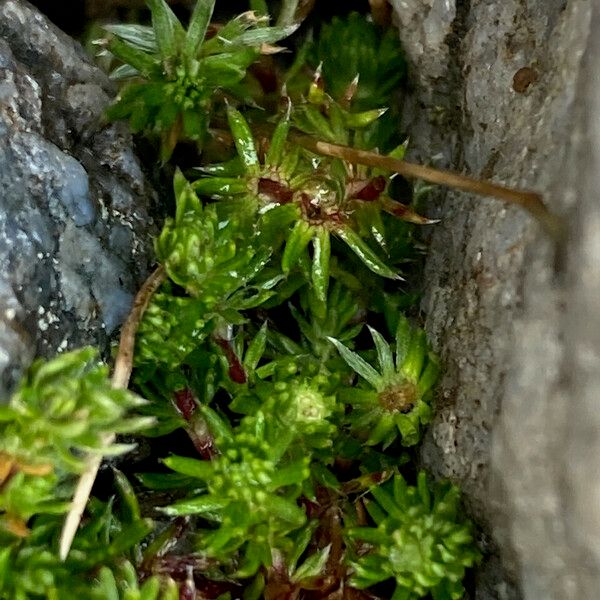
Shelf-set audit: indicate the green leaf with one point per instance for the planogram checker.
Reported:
(386, 501)
(5, 554)
(165, 481)
(354, 361)
(138, 36)
(320, 263)
(430, 374)
(313, 566)
(403, 337)
(296, 244)
(218, 426)
(107, 584)
(243, 138)
(408, 425)
(208, 506)
(231, 168)
(367, 534)
(256, 349)
(275, 152)
(201, 469)
(226, 69)
(384, 355)
(286, 510)
(198, 26)
(130, 506)
(169, 31)
(143, 62)
(383, 430)
(366, 254)
(423, 489)
(220, 187)
(259, 7)
(415, 356)
(264, 35)
(363, 119)
(195, 124)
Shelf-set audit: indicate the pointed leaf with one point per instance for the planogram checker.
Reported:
(169, 31)
(384, 354)
(297, 242)
(140, 60)
(207, 505)
(363, 368)
(264, 35)
(415, 356)
(387, 502)
(201, 469)
(256, 349)
(138, 36)
(197, 27)
(217, 425)
(366, 254)
(403, 336)
(243, 138)
(383, 431)
(363, 119)
(320, 263)
(277, 145)
(313, 566)
(220, 187)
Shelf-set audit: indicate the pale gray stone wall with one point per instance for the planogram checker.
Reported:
(510, 90)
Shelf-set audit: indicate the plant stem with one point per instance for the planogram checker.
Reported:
(530, 201)
(120, 380)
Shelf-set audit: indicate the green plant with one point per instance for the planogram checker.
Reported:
(177, 73)
(62, 410)
(271, 419)
(420, 539)
(398, 394)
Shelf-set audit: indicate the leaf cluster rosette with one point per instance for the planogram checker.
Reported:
(322, 195)
(421, 539)
(63, 408)
(395, 399)
(176, 73)
(252, 489)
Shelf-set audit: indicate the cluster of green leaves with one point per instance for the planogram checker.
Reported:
(260, 347)
(177, 73)
(420, 538)
(61, 412)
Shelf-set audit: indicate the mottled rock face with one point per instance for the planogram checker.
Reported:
(75, 224)
(510, 91)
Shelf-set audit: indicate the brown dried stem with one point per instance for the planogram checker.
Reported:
(531, 201)
(120, 380)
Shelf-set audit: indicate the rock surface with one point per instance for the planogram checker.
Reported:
(75, 225)
(510, 91)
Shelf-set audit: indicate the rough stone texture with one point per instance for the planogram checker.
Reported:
(510, 90)
(75, 230)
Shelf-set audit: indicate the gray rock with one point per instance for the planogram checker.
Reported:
(510, 91)
(75, 208)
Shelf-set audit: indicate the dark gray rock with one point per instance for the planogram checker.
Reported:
(510, 91)
(75, 209)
